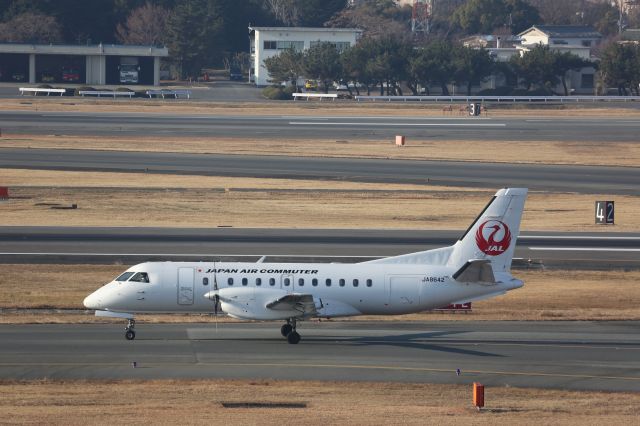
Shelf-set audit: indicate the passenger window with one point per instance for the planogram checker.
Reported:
(328, 282)
(258, 281)
(301, 282)
(230, 281)
(245, 281)
(314, 282)
(205, 281)
(355, 283)
(369, 283)
(287, 281)
(124, 276)
(272, 281)
(341, 282)
(140, 277)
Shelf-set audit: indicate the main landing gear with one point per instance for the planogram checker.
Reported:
(288, 330)
(130, 334)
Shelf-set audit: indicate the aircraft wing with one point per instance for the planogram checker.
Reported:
(303, 303)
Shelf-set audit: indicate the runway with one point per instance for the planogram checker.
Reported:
(562, 355)
(570, 129)
(75, 245)
(581, 179)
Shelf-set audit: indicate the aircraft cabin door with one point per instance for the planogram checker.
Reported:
(186, 280)
(286, 283)
(403, 291)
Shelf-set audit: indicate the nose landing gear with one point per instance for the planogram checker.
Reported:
(288, 330)
(130, 334)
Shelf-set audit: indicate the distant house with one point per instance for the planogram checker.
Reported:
(576, 39)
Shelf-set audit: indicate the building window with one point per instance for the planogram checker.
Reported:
(355, 283)
(272, 282)
(369, 283)
(230, 281)
(258, 281)
(314, 282)
(341, 282)
(245, 281)
(270, 45)
(301, 282)
(340, 46)
(586, 43)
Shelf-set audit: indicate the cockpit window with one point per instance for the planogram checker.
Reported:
(140, 277)
(124, 276)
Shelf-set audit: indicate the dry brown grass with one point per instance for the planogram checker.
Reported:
(113, 199)
(550, 295)
(542, 152)
(296, 108)
(200, 402)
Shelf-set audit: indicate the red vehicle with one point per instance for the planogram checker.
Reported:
(70, 75)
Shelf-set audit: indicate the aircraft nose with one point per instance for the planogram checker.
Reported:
(92, 301)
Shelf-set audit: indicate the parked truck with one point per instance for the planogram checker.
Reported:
(129, 70)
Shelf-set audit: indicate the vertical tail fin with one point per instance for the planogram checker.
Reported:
(492, 236)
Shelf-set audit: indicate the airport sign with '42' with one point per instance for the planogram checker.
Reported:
(605, 211)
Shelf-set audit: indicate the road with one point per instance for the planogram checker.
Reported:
(134, 245)
(582, 179)
(562, 129)
(562, 355)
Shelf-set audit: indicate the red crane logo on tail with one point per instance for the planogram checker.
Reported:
(493, 237)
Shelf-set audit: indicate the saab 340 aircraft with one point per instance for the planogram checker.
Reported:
(476, 267)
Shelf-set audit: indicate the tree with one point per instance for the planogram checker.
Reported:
(535, 67)
(32, 28)
(146, 25)
(375, 17)
(565, 62)
(620, 67)
(322, 62)
(354, 63)
(433, 64)
(472, 66)
(285, 66)
(193, 32)
(484, 16)
(305, 13)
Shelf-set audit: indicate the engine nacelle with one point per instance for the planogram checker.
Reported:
(251, 303)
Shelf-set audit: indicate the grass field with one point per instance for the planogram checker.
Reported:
(541, 152)
(547, 295)
(139, 199)
(320, 403)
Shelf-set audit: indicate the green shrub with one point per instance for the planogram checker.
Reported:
(498, 91)
(278, 93)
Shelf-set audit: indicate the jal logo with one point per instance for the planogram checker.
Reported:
(493, 237)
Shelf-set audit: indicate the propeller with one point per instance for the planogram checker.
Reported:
(216, 299)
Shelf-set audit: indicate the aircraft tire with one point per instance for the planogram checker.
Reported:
(293, 338)
(130, 335)
(286, 329)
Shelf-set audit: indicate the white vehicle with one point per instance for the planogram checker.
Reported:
(476, 267)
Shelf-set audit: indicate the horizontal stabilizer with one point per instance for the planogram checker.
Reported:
(475, 271)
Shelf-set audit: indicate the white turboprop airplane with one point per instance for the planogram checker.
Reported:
(476, 267)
